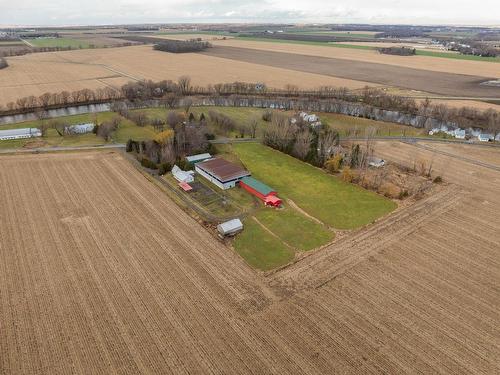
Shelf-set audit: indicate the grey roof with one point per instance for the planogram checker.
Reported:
(230, 226)
(17, 132)
(193, 158)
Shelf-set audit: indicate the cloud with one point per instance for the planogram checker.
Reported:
(78, 12)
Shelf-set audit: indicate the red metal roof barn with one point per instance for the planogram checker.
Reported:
(261, 191)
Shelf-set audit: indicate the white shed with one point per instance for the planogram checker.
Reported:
(230, 228)
(182, 176)
(19, 133)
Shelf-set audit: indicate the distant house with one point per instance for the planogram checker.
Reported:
(79, 128)
(485, 137)
(376, 162)
(230, 228)
(182, 176)
(19, 133)
(221, 172)
(459, 133)
(261, 191)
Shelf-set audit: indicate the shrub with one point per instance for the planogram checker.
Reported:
(347, 174)
(390, 190)
(333, 164)
(438, 180)
(145, 162)
(3, 63)
(130, 145)
(403, 194)
(164, 168)
(267, 116)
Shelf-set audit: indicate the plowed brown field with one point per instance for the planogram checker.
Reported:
(101, 273)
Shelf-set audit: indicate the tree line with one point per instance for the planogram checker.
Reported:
(399, 51)
(170, 94)
(181, 46)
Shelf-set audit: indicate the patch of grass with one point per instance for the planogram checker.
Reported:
(356, 126)
(326, 197)
(457, 56)
(58, 42)
(260, 249)
(294, 228)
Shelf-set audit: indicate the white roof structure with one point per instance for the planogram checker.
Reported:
(485, 137)
(376, 162)
(20, 133)
(182, 176)
(79, 128)
(198, 157)
(230, 227)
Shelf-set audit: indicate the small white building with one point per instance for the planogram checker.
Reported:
(459, 134)
(182, 176)
(376, 162)
(485, 137)
(19, 133)
(230, 228)
(79, 128)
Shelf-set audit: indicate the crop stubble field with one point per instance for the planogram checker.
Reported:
(101, 273)
(276, 64)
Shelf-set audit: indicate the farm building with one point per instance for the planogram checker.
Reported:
(376, 162)
(230, 228)
(193, 159)
(79, 128)
(261, 191)
(19, 133)
(221, 172)
(485, 137)
(182, 176)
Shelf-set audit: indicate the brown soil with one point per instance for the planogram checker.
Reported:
(389, 75)
(101, 273)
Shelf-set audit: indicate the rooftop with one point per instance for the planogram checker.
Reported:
(222, 169)
(14, 132)
(257, 185)
(197, 157)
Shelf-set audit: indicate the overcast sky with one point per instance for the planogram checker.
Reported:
(95, 12)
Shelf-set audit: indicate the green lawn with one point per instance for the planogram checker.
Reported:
(260, 249)
(58, 42)
(349, 126)
(294, 228)
(326, 197)
(126, 131)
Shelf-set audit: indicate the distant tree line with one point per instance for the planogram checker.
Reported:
(3, 63)
(399, 51)
(170, 94)
(182, 46)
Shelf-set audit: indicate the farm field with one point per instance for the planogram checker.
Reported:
(35, 74)
(57, 42)
(483, 69)
(382, 74)
(127, 282)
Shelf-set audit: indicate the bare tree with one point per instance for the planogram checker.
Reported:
(253, 123)
(184, 83)
(302, 144)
